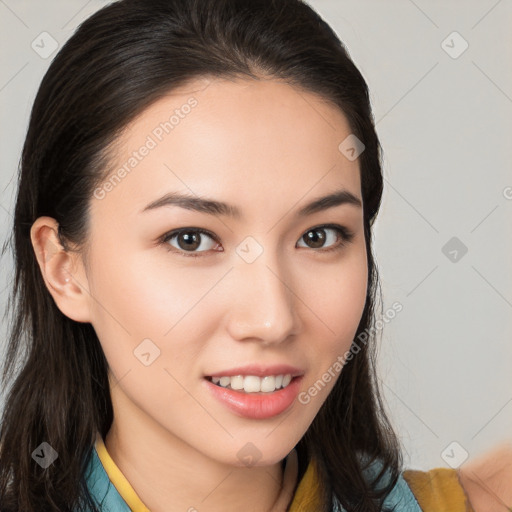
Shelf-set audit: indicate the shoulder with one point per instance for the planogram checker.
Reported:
(438, 490)
(401, 498)
(487, 479)
(482, 484)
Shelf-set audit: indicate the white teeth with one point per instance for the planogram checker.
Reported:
(237, 382)
(224, 381)
(286, 380)
(254, 384)
(268, 383)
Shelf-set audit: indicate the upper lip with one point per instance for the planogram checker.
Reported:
(259, 370)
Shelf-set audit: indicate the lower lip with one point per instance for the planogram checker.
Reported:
(257, 405)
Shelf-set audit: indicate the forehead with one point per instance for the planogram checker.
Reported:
(257, 140)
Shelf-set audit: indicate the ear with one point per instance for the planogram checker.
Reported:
(62, 270)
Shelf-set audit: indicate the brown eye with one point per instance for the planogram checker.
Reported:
(189, 240)
(317, 237)
(194, 241)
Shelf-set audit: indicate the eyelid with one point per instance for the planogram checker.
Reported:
(346, 235)
(175, 232)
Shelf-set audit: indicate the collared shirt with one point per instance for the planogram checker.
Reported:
(436, 490)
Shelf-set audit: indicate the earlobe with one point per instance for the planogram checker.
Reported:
(61, 270)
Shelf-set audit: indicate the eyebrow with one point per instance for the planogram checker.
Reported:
(219, 208)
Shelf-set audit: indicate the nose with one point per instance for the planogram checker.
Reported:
(264, 303)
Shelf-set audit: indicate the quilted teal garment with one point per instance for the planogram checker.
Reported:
(401, 498)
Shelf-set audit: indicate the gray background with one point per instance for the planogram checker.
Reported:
(444, 118)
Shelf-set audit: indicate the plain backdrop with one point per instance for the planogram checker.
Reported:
(441, 86)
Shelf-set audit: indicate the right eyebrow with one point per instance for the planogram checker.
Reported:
(214, 207)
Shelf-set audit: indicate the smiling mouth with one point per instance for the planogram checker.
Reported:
(252, 384)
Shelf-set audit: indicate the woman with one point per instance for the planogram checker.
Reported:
(188, 166)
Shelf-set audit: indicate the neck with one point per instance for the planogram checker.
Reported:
(169, 475)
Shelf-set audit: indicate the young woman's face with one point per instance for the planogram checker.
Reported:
(265, 287)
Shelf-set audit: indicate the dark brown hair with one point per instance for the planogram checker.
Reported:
(118, 62)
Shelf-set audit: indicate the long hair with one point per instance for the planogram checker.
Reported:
(119, 61)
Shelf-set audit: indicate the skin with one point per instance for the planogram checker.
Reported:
(269, 149)
(487, 479)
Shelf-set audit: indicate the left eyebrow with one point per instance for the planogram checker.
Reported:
(219, 208)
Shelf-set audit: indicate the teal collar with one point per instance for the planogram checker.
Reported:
(401, 498)
(102, 489)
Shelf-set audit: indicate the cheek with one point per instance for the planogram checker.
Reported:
(144, 319)
(338, 311)
(338, 308)
(140, 298)
(338, 296)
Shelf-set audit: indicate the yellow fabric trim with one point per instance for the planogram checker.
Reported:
(438, 490)
(306, 497)
(120, 482)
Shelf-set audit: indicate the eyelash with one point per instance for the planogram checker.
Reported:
(346, 237)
